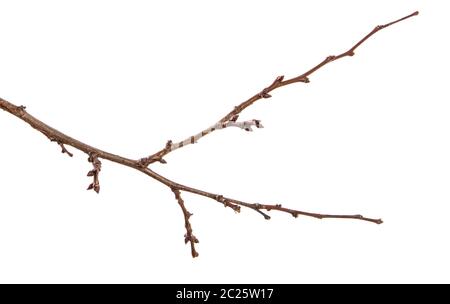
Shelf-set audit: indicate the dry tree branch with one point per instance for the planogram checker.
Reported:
(277, 83)
(229, 120)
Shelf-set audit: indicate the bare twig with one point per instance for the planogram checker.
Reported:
(280, 82)
(235, 204)
(64, 150)
(97, 164)
(189, 237)
(158, 156)
(229, 120)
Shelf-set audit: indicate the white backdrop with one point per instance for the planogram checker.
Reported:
(369, 134)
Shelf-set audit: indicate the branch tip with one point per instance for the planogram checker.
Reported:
(63, 148)
(266, 217)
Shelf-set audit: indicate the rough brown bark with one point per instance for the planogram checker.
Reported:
(230, 119)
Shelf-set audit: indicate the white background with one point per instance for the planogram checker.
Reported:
(369, 134)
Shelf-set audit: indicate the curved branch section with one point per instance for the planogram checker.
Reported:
(230, 120)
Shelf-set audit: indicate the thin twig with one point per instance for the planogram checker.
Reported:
(158, 156)
(97, 164)
(280, 82)
(189, 237)
(64, 150)
(231, 119)
(278, 207)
